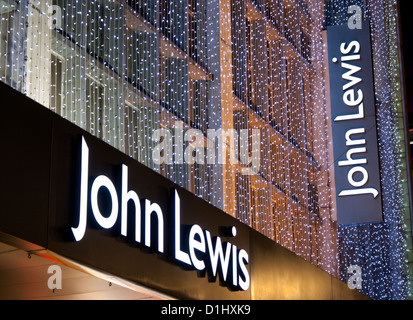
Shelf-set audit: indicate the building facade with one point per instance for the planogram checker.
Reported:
(229, 99)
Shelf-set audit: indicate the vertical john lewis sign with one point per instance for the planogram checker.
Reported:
(356, 159)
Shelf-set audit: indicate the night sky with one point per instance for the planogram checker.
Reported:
(407, 38)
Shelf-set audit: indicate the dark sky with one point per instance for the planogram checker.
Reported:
(407, 37)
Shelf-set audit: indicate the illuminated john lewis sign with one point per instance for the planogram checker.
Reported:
(204, 252)
(356, 159)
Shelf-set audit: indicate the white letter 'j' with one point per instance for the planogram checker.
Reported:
(79, 232)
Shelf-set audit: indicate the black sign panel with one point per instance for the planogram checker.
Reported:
(356, 159)
(109, 210)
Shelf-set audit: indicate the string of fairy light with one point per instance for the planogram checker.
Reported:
(124, 69)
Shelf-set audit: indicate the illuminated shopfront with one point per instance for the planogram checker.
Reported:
(82, 204)
(231, 102)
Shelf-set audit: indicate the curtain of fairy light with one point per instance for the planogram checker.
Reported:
(381, 249)
(124, 69)
(119, 69)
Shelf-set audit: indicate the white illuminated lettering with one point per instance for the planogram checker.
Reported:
(234, 266)
(244, 278)
(79, 232)
(350, 132)
(353, 97)
(204, 253)
(198, 245)
(149, 209)
(217, 255)
(350, 58)
(350, 161)
(104, 222)
(126, 197)
(353, 116)
(349, 97)
(360, 183)
(353, 45)
(357, 192)
(349, 75)
(179, 255)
